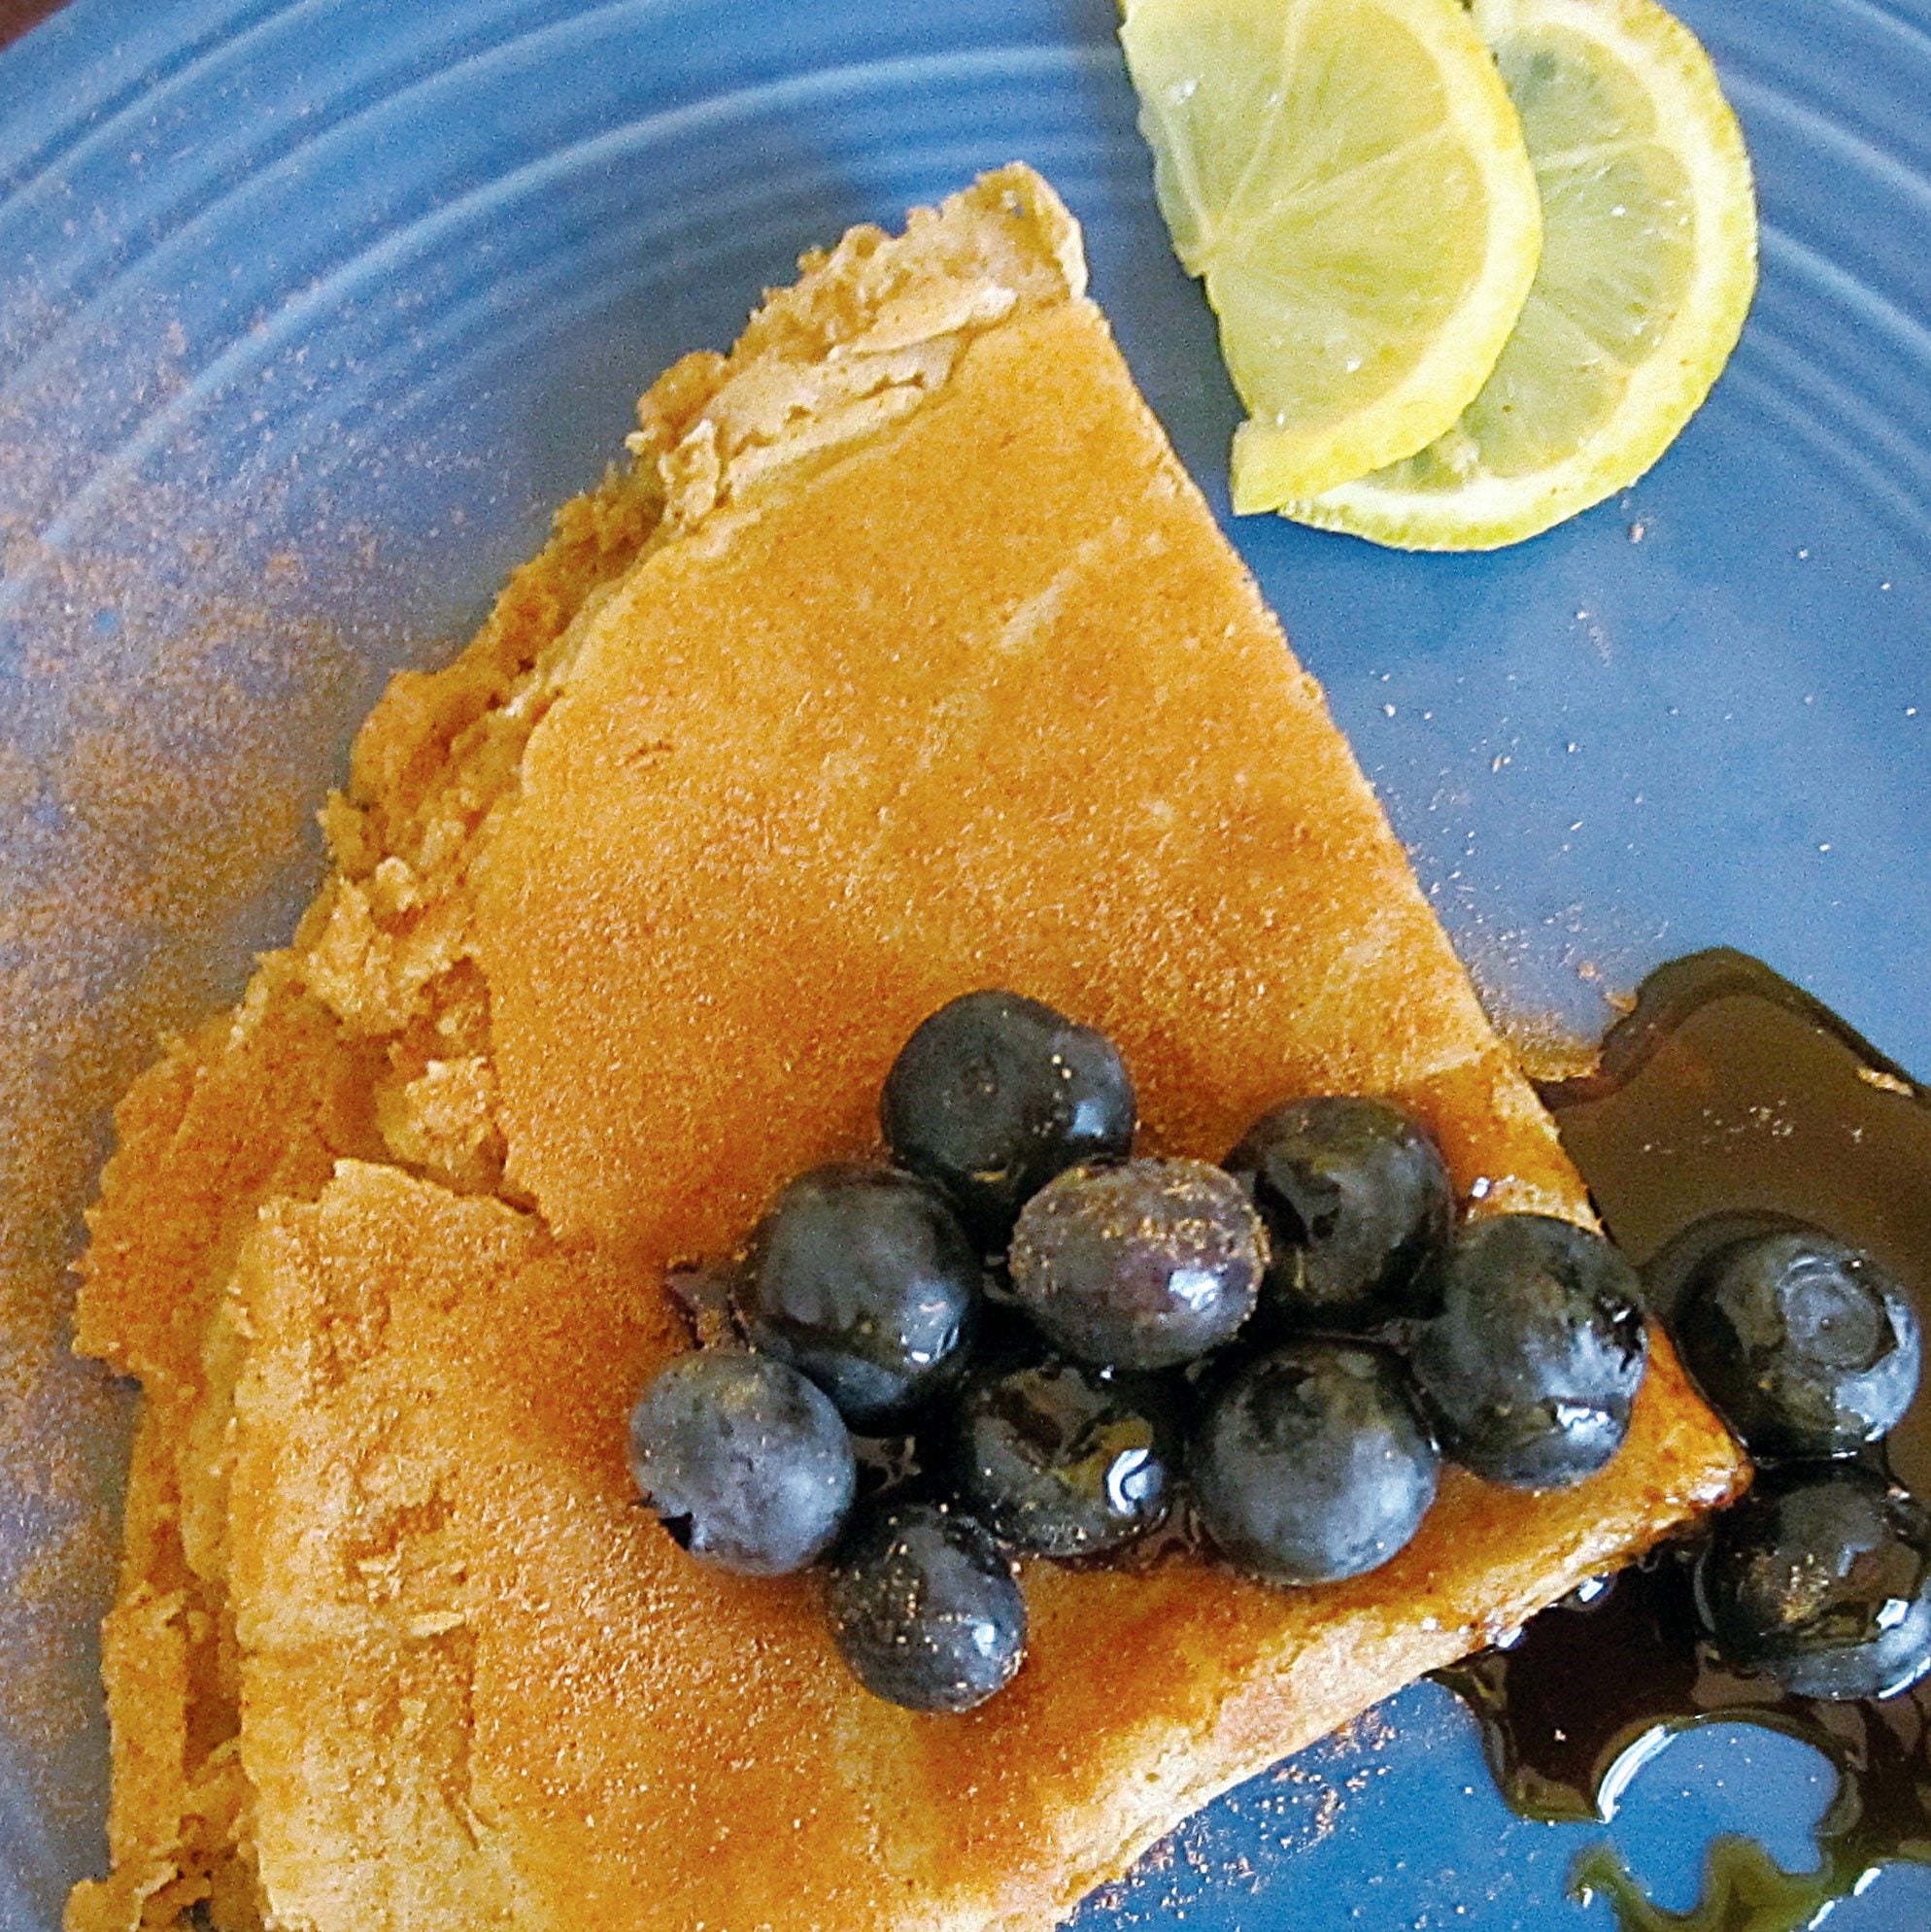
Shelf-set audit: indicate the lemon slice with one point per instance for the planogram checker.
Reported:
(1648, 266)
(1349, 180)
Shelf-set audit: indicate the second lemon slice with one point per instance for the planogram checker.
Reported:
(1648, 266)
(1349, 180)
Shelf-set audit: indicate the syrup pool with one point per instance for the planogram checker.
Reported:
(1727, 1091)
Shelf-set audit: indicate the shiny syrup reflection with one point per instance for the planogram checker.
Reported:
(1726, 1092)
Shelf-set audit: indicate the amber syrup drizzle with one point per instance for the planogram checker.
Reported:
(1727, 1091)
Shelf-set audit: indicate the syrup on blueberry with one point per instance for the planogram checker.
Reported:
(1531, 1367)
(996, 1094)
(746, 1462)
(926, 1610)
(1056, 1335)
(1358, 1206)
(1061, 1460)
(1820, 1578)
(1312, 1464)
(1804, 1346)
(862, 1278)
(1141, 1266)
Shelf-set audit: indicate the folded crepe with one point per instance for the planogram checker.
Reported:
(902, 659)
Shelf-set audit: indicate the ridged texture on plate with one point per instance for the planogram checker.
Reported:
(307, 313)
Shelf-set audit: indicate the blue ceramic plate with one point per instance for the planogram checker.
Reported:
(310, 308)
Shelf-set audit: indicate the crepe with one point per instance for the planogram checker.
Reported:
(904, 660)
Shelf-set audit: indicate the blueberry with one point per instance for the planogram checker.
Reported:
(746, 1462)
(1529, 1371)
(1805, 1346)
(1359, 1207)
(1312, 1464)
(924, 1609)
(1820, 1578)
(1140, 1266)
(1059, 1460)
(862, 1278)
(995, 1095)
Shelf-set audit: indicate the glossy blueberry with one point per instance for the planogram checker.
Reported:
(1820, 1578)
(1057, 1460)
(1359, 1207)
(864, 1279)
(1140, 1266)
(1805, 1346)
(924, 1609)
(746, 1462)
(1312, 1462)
(1529, 1371)
(995, 1095)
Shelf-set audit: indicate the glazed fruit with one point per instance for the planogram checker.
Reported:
(745, 1461)
(1529, 1371)
(1820, 1578)
(1041, 1344)
(1805, 1346)
(924, 1609)
(1140, 1266)
(1057, 1460)
(862, 1278)
(995, 1095)
(1312, 1464)
(1359, 1207)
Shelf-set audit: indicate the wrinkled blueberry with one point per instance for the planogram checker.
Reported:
(1312, 1464)
(1803, 1346)
(924, 1609)
(1359, 1209)
(1820, 1578)
(747, 1463)
(995, 1095)
(1140, 1266)
(1057, 1460)
(1529, 1371)
(864, 1279)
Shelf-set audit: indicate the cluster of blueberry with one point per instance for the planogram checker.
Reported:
(1068, 1333)
(1821, 1576)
